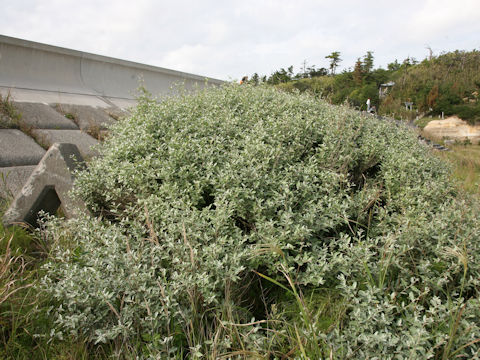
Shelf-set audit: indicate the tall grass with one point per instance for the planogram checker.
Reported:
(9, 116)
(23, 311)
(465, 163)
(16, 279)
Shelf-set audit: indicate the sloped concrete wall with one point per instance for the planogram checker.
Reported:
(34, 66)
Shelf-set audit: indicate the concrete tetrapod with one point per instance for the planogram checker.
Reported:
(48, 186)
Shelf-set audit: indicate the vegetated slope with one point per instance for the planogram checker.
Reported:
(448, 83)
(344, 87)
(339, 232)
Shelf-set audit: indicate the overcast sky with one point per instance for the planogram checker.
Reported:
(229, 39)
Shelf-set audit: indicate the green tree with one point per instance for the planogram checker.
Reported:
(394, 66)
(281, 76)
(313, 71)
(255, 79)
(358, 72)
(368, 62)
(335, 60)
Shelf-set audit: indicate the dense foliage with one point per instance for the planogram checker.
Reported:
(244, 202)
(448, 83)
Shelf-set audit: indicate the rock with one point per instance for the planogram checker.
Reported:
(453, 128)
(48, 187)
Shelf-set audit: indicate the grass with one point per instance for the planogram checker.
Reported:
(422, 122)
(9, 116)
(23, 311)
(464, 159)
(465, 162)
(16, 279)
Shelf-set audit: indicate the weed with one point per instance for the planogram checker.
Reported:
(70, 116)
(95, 131)
(11, 117)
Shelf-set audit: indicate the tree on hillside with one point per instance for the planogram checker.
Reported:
(368, 62)
(255, 79)
(409, 61)
(430, 52)
(281, 76)
(334, 61)
(394, 66)
(358, 72)
(313, 71)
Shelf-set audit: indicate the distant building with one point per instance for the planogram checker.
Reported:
(384, 89)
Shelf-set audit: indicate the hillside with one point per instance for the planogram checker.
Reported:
(448, 83)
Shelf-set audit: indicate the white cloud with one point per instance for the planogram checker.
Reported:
(229, 39)
(445, 17)
(185, 57)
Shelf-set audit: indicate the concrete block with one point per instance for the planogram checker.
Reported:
(48, 187)
(83, 141)
(18, 149)
(12, 180)
(42, 116)
(88, 118)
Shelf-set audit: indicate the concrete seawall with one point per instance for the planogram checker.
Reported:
(27, 67)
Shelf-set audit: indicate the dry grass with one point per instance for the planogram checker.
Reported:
(11, 270)
(465, 161)
(9, 116)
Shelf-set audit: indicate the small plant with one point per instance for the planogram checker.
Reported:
(466, 142)
(70, 116)
(7, 109)
(95, 131)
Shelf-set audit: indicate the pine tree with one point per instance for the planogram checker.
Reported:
(368, 62)
(358, 72)
(334, 61)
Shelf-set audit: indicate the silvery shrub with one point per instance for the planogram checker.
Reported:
(194, 192)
